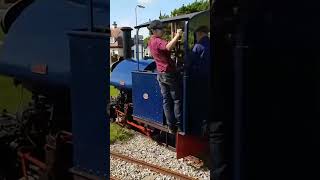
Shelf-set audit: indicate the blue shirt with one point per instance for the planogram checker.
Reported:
(201, 55)
(200, 74)
(202, 48)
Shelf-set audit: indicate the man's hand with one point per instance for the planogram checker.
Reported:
(173, 42)
(179, 32)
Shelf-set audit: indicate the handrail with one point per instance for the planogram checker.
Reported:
(13, 13)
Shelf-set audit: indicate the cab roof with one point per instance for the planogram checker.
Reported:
(184, 17)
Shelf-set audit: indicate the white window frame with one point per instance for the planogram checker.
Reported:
(112, 40)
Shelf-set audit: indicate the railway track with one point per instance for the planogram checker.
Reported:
(151, 167)
(113, 178)
(160, 142)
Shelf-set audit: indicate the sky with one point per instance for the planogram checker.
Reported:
(123, 11)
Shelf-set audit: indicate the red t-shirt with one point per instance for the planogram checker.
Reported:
(161, 55)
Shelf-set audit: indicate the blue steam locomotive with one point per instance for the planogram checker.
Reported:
(140, 102)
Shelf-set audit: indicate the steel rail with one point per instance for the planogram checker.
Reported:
(151, 166)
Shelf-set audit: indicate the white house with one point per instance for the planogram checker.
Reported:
(116, 44)
(141, 51)
(140, 46)
(147, 52)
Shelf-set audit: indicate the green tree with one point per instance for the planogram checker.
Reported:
(198, 5)
(145, 41)
(166, 29)
(163, 16)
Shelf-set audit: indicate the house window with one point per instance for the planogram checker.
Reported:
(132, 53)
(112, 40)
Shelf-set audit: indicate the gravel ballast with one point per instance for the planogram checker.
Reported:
(145, 149)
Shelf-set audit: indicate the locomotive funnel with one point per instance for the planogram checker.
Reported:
(126, 42)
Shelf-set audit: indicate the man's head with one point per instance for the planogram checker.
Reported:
(201, 32)
(156, 28)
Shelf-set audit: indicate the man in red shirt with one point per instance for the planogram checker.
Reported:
(167, 74)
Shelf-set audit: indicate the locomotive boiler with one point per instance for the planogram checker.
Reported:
(58, 50)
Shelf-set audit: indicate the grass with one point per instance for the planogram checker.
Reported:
(11, 97)
(114, 92)
(117, 133)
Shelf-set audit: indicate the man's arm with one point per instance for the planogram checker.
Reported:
(174, 41)
(196, 49)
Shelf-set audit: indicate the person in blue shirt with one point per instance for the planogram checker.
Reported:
(201, 66)
(202, 46)
(200, 56)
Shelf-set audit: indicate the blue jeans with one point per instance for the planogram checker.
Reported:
(170, 90)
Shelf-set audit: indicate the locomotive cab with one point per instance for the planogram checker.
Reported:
(193, 74)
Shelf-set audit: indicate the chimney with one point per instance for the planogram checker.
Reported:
(114, 24)
(126, 38)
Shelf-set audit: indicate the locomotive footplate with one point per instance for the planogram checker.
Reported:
(152, 124)
(169, 140)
